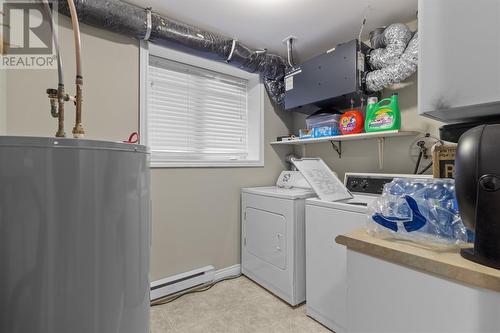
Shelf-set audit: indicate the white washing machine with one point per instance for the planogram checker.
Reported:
(325, 259)
(273, 237)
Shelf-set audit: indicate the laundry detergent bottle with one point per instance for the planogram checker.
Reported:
(351, 122)
(383, 116)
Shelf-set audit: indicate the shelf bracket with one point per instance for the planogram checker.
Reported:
(337, 147)
(303, 151)
(381, 142)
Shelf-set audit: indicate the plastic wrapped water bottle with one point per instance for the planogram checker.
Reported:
(423, 210)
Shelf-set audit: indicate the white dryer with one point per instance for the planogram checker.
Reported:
(273, 237)
(325, 259)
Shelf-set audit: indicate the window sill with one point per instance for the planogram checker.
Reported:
(206, 164)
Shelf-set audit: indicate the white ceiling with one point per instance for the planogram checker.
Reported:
(318, 24)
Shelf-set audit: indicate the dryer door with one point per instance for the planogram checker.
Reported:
(265, 236)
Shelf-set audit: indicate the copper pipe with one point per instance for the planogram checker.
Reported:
(57, 98)
(60, 119)
(56, 111)
(78, 131)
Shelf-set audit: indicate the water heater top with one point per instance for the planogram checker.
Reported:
(48, 142)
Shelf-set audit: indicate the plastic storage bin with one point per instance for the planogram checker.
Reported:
(323, 120)
(324, 124)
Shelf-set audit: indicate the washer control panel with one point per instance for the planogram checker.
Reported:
(366, 185)
(372, 183)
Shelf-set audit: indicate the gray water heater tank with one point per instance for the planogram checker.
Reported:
(74, 236)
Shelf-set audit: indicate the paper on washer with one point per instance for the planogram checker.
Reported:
(322, 179)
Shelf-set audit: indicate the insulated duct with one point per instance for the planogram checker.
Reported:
(396, 72)
(395, 38)
(377, 38)
(142, 24)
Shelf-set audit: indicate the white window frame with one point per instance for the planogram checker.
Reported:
(255, 107)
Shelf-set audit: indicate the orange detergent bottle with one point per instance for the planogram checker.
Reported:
(351, 122)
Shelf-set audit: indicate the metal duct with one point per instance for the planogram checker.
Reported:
(399, 71)
(377, 38)
(130, 20)
(394, 41)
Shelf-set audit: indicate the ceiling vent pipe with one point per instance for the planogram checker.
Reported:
(396, 72)
(142, 24)
(394, 40)
(394, 58)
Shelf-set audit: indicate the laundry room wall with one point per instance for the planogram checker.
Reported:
(3, 83)
(362, 156)
(196, 214)
(3, 101)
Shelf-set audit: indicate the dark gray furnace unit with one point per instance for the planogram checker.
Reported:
(331, 79)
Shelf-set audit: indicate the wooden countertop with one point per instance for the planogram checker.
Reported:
(445, 263)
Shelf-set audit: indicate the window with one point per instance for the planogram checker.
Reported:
(199, 113)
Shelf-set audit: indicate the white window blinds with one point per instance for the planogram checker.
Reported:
(195, 114)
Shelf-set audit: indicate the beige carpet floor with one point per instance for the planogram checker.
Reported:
(235, 306)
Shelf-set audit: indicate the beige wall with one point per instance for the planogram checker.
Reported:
(110, 94)
(3, 83)
(3, 101)
(197, 211)
(196, 219)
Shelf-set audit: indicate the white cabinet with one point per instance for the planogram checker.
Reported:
(384, 297)
(459, 59)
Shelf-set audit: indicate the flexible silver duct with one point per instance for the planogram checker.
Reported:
(377, 38)
(394, 42)
(132, 21)
(399, 71)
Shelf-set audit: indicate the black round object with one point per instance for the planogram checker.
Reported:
(466, 177)
(477, 184)
(490, 183)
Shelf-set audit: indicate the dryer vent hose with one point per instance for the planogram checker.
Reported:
(395, 60)
(143, 24)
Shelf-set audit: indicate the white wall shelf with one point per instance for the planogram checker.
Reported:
(350, 137)
(380, 136)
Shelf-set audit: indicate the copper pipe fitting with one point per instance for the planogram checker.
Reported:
(78, 131)
(60, 119)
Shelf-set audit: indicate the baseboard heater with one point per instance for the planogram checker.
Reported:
(180, 282)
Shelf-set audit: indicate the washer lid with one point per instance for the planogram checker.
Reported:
(278, 192)
(357, 204)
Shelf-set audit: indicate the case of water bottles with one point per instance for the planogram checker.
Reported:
(419, 210)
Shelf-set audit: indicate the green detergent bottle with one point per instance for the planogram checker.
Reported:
(383, 116)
